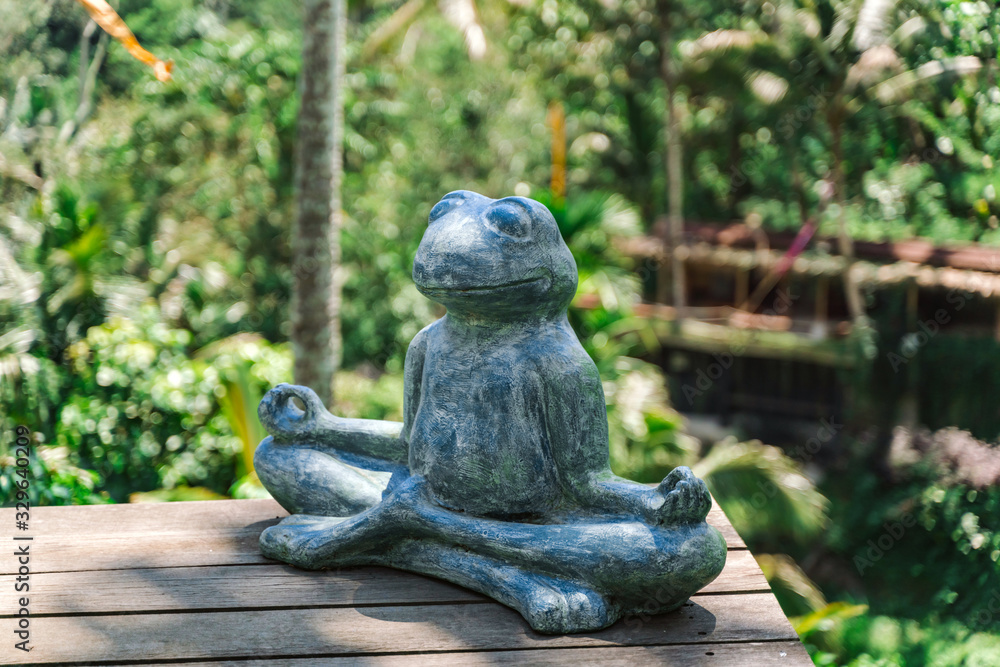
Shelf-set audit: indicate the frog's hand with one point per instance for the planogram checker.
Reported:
(685, 498)
(284, 419)
(313, 425)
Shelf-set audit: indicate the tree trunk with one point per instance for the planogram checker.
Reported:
(675, 177)
(318, 167)
(855, 305)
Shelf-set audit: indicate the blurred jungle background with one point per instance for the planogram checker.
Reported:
(785, 216)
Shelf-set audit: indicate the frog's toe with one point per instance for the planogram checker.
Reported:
(301, 540)
(561, 607)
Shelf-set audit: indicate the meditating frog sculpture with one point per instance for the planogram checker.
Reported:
(498, 477)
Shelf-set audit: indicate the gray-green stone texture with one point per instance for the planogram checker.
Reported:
(498, 478)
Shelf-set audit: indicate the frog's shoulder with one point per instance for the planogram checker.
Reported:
(421, 338)
(558, 357)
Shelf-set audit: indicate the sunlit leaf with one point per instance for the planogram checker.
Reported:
(827, 617)
(872, 65)
(796, 592)
(769, 88)
(761, 490)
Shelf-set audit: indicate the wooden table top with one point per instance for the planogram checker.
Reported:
(185, 583)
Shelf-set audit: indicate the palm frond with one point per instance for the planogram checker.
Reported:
(897, 88)
(872, 26)
(396, 23)
(872, 66)
(616, 287)
(762, 491)
(122, 295)
(795, 591)
(463, 15)
(827, 616)
(16, 284)
(722, 41)
(908, 29)
(15, 362)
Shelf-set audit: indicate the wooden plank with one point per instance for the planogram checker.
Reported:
(56, 553)
(373, 630)
(275, 586)
(199, 533)
(188, 517)
(755, 654)
(198, 516)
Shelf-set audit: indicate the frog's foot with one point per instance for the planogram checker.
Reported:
(556, 606)
(303, 540)
(314, 542)
(685, 498)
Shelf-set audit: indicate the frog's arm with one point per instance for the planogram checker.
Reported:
(314, 425)
(577, 423)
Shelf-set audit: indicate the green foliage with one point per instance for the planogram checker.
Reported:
(145, 269)
(796, 592)
(922, 551)
(764, 493)
(646, 435)
(54, 479)
(145, 415)
(876, 641)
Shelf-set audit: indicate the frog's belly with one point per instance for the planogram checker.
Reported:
(487, 462)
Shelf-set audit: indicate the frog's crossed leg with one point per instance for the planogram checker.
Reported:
(550, 604)
(560, 577)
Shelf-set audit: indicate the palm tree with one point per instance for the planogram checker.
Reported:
(318, 170)
(673, 154)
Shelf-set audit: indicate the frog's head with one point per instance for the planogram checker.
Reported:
(494, 258)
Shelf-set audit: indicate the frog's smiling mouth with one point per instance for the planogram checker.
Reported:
(483, 289)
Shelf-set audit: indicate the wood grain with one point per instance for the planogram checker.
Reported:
(199, 515)
(754, 654)
(184, 582)
(275, 586)
(199, 533)
(375, 630)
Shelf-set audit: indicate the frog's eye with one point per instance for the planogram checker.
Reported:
(444, 206)
(510, 218)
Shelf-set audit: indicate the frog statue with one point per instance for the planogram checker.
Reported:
(498, 477)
